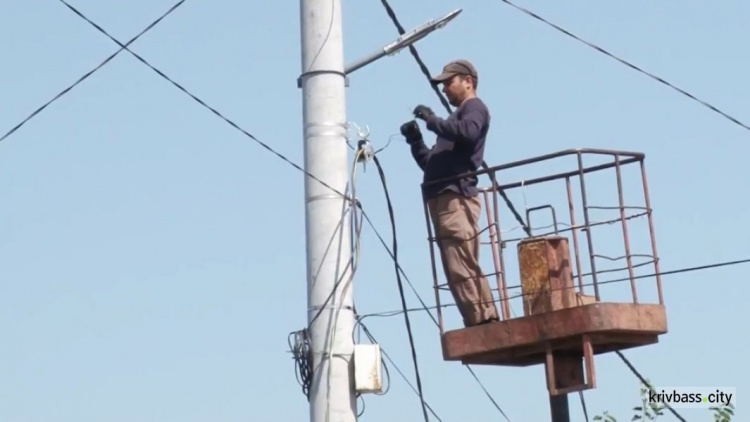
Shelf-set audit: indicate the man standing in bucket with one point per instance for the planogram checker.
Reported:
(454, 205)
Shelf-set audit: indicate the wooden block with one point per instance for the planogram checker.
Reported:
(546, 280)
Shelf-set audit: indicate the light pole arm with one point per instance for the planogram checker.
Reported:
(403, 41)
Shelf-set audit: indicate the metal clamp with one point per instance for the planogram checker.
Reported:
(323, 72)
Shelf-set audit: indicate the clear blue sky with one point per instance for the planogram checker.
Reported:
(142, 277)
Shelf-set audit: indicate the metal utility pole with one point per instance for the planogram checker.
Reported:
(330, 311)
(323, 83)
(559, 408)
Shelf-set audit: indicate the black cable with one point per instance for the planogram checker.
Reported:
(360, 327)
(91, 72)
(401, 271)
(201, 102)
(426, 308)
(413, 50)
(325, 40)
(447, 106)
(497, 406)
(583, 405)
(382, 350)
(681, 270)
(387, 376)
(527, 229)
(359, 396)
(425, 71)
(630, 365)
(401, 287)
(671, 272)
(626, 63)
(357, 232)
(646, 383)
(301, 353)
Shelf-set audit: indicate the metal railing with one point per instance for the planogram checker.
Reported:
(614, 161)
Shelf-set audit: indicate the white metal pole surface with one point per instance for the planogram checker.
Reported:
(327, 213)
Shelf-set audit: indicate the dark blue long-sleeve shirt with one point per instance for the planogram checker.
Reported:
(459, 148)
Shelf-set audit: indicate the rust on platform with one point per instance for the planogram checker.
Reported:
(526, 340)
(546, 280)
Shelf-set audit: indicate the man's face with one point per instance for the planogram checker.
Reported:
(456, 89)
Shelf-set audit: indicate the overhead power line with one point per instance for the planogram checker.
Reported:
(382, 350)
(91, 72)
(387, 314)
(622, 357)
(415, 54)
(645, 382)
(400, 285)
(662, 273)
(201, 102)
(427, 309)
(627, 63)
(233, 124)
(444, 101)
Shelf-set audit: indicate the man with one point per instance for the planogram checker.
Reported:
(454, 205)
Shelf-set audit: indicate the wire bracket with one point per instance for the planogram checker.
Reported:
(365, 152)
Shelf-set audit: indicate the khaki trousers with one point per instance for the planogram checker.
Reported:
(455, 219)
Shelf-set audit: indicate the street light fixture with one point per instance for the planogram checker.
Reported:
(404, 41)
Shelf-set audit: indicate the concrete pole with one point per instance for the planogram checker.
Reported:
(327, 218)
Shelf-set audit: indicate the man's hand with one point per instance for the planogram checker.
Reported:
(423, 112)
(411, 131)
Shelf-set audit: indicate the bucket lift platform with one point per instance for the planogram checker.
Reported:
(561, 327)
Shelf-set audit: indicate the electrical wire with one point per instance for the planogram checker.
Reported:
(426, 72)
(218, 114)
(387, 314)
(583, 402)
(91, 72)
(662, 273)
(301, 349)
(383, 351)
(343, 273)
(359, 327)
(628, 64)
(643, 380)
(301, 353)
(413, 50)
(355, 264)
(583, 406)
(427, 309)
(382, 360)
(201, 102)
(328, 35)
(362, 412)
(401, 271)
(401, 286)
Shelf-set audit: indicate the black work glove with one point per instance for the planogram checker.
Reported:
(411, 132)
(422, 112)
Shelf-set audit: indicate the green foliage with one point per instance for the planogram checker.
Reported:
(723, 413)
(605, 417)
(651, 411)
(647, 411)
